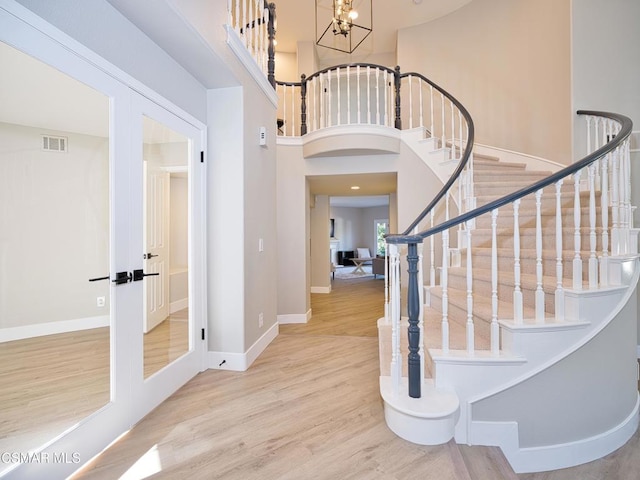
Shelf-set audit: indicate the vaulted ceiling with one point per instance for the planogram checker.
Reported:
(296, 22)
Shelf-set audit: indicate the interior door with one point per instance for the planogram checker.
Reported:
(157, 198)
(168, 272)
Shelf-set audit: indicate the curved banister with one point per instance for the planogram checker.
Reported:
(623, 134)
(350, 65)
(465, 155)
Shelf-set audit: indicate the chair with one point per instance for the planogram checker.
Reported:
(378, 267)
(363, 253)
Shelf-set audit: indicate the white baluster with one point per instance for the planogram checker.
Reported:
(559, 293)
(593, 260)
(604, 214)
(452, 154)
(539, 296)
(420, 83)
(284, 110)
(432, 132)
(432, 257)
(495, 328)
(396, 354)
(461, 134)
(378, 96)
(323, 101)
(444, 284)
(615, 204)
(410, 102)
(237, 22)
(330, 100)
(386, 283)
(358, 89)
(315, 106)
(517, 291)
(444, 137)
(348, 94)
(577, 246)
(244, 23)
(339, 108)
(470, 327)
(369, 93)
(294, 116)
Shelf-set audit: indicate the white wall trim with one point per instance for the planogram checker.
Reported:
(564, 455)
(321, 289)
(51, 328)
(532, 162)
(237, 47)
(240, 362)
(294, 318)
(178, 305)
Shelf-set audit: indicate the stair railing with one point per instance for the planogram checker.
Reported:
(254, 22)
(373, 95)
(601, 180)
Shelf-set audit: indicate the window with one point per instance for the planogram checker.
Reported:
(382, 228)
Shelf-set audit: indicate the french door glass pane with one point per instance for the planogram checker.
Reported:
(165, 249)
(54, 238)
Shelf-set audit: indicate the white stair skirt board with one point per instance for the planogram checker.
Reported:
(240, 362)
(553, 457)
(429, 420)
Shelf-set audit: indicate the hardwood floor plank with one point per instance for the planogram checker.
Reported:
(308, 408)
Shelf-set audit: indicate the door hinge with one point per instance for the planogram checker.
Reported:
(202, 156)
(203, 334)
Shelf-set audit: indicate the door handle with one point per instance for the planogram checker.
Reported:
(147, 256)
(97, 279)
(122, 277)
(139, 275)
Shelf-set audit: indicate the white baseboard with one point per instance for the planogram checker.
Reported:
(321, 289)
(240, 362)
(178, 305)
(51, 328)
(553, 457)
(294, 318)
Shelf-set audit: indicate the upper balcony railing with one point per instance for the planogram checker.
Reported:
(254, 22)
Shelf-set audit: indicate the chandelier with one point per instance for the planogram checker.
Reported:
(342, 32)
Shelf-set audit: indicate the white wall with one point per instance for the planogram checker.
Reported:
(509, 64)
(320, 258)
(54, 212)
(354, 226)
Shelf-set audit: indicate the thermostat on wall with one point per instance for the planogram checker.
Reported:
(263, 136)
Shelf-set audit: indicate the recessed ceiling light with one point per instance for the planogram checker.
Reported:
(355, 187)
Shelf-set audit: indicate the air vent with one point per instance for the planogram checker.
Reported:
(54, 144)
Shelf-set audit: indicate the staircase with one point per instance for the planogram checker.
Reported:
(542, 284)
(510, 307)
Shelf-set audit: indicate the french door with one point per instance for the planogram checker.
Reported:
(102, 281)
(166, 239)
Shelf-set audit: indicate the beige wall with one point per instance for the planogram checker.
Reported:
(508, 62)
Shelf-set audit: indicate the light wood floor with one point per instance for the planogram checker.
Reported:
(309, 408)
(49, 383)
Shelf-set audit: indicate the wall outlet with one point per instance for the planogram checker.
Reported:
(260, 319)
(260, 245)
(100, 301)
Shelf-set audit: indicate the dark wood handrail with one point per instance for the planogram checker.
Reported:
(626, 126)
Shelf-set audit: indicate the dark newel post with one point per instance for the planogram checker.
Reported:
(397, 86)
(303, 104)
(271, 31)
(413, 310)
